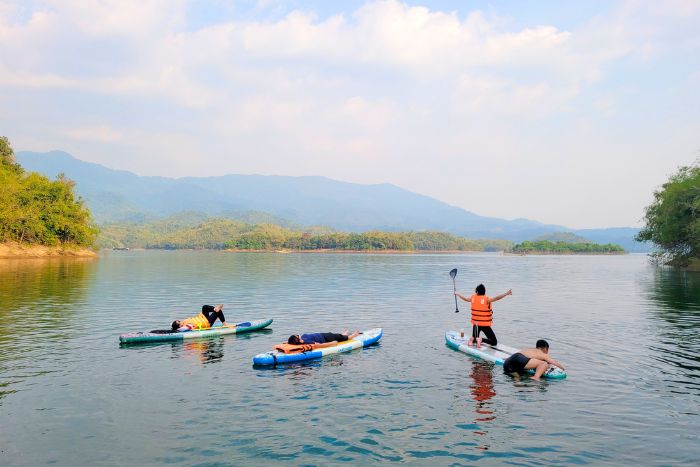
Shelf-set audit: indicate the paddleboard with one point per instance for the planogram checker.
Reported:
(216, 330)
(275, 357)
(495, 354)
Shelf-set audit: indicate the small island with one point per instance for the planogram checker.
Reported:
(545, 247)
(565, 243)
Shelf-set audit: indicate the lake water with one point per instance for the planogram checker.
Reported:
(627, 331)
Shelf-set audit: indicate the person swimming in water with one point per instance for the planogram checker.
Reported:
(537, 359)
(321, 339)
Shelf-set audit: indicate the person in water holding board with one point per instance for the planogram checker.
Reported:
(204, 320)
(537, 359)
(321, 339)
(482, 315)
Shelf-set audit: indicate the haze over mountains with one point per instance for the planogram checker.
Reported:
(118, 196)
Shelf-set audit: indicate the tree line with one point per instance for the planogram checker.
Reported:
(545, 246)
(230, 234)
(37, 210)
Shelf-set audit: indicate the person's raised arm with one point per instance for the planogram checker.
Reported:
(466, 299)
(498, 297)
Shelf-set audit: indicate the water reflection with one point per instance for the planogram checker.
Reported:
(676, 317)
(482, 391)
(204, 351)
(36, 296)
(25, 282)
(676, 291)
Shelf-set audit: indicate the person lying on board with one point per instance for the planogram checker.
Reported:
(321, 339)
(537, 359)
(204, 320)
(482, 315)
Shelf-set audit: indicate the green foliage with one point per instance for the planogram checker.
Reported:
(442, 241)
(35, 209)
(180, 232)
(173, 233)
(7, 156)
(545, 246)
(673, 218)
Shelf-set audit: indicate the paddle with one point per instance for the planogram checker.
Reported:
(453, 274)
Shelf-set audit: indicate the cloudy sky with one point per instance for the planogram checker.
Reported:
(562, 112)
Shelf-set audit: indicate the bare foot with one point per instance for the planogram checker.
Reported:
(478, 342)
(470, 341)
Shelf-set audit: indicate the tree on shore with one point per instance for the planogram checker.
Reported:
(35, 209)
(673, 218)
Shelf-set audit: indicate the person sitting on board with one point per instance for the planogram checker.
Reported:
(204, 320)
(321, 339)
(537, 359)
(482, 315)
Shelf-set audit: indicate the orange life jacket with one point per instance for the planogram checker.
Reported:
(293, 348)
(197, 322)
(482, 315)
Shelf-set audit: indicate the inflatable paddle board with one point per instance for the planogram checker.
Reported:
(216, 330)
(275, 357)
(497, 354)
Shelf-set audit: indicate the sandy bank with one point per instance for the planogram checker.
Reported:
(16, 250)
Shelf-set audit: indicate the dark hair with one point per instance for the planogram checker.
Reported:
(175, 325)
(480, 289)
(294, 340)
(542, 344)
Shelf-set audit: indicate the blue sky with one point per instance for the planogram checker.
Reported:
(567, 113)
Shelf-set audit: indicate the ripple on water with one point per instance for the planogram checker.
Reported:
(408, 400)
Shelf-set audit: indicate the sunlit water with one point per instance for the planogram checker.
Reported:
(69, 394)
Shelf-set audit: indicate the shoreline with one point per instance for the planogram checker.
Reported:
(328, 250)
(14, 250)
(567, 253)
(379, 252)
(371, 252)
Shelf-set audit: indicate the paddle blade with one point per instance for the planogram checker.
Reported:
(453, 273)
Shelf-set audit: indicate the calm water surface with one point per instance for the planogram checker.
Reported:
(69, 395)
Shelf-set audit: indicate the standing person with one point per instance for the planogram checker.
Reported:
(204, 320)
(537, 359)
(482, 315)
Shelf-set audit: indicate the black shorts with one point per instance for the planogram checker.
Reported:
(515, 363)
(331, 336)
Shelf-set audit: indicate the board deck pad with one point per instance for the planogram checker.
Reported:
(216, 330)
(276, 357)
(494, 354)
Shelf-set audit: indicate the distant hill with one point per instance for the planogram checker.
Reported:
(565, 237)
(115, 195)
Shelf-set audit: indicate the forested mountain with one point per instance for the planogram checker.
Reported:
(114, 195)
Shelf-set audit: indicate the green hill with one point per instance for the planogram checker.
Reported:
(193, 232)
(563, 237)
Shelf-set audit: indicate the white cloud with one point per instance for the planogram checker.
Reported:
(401, 89)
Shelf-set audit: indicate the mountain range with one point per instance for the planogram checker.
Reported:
(121, 196)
